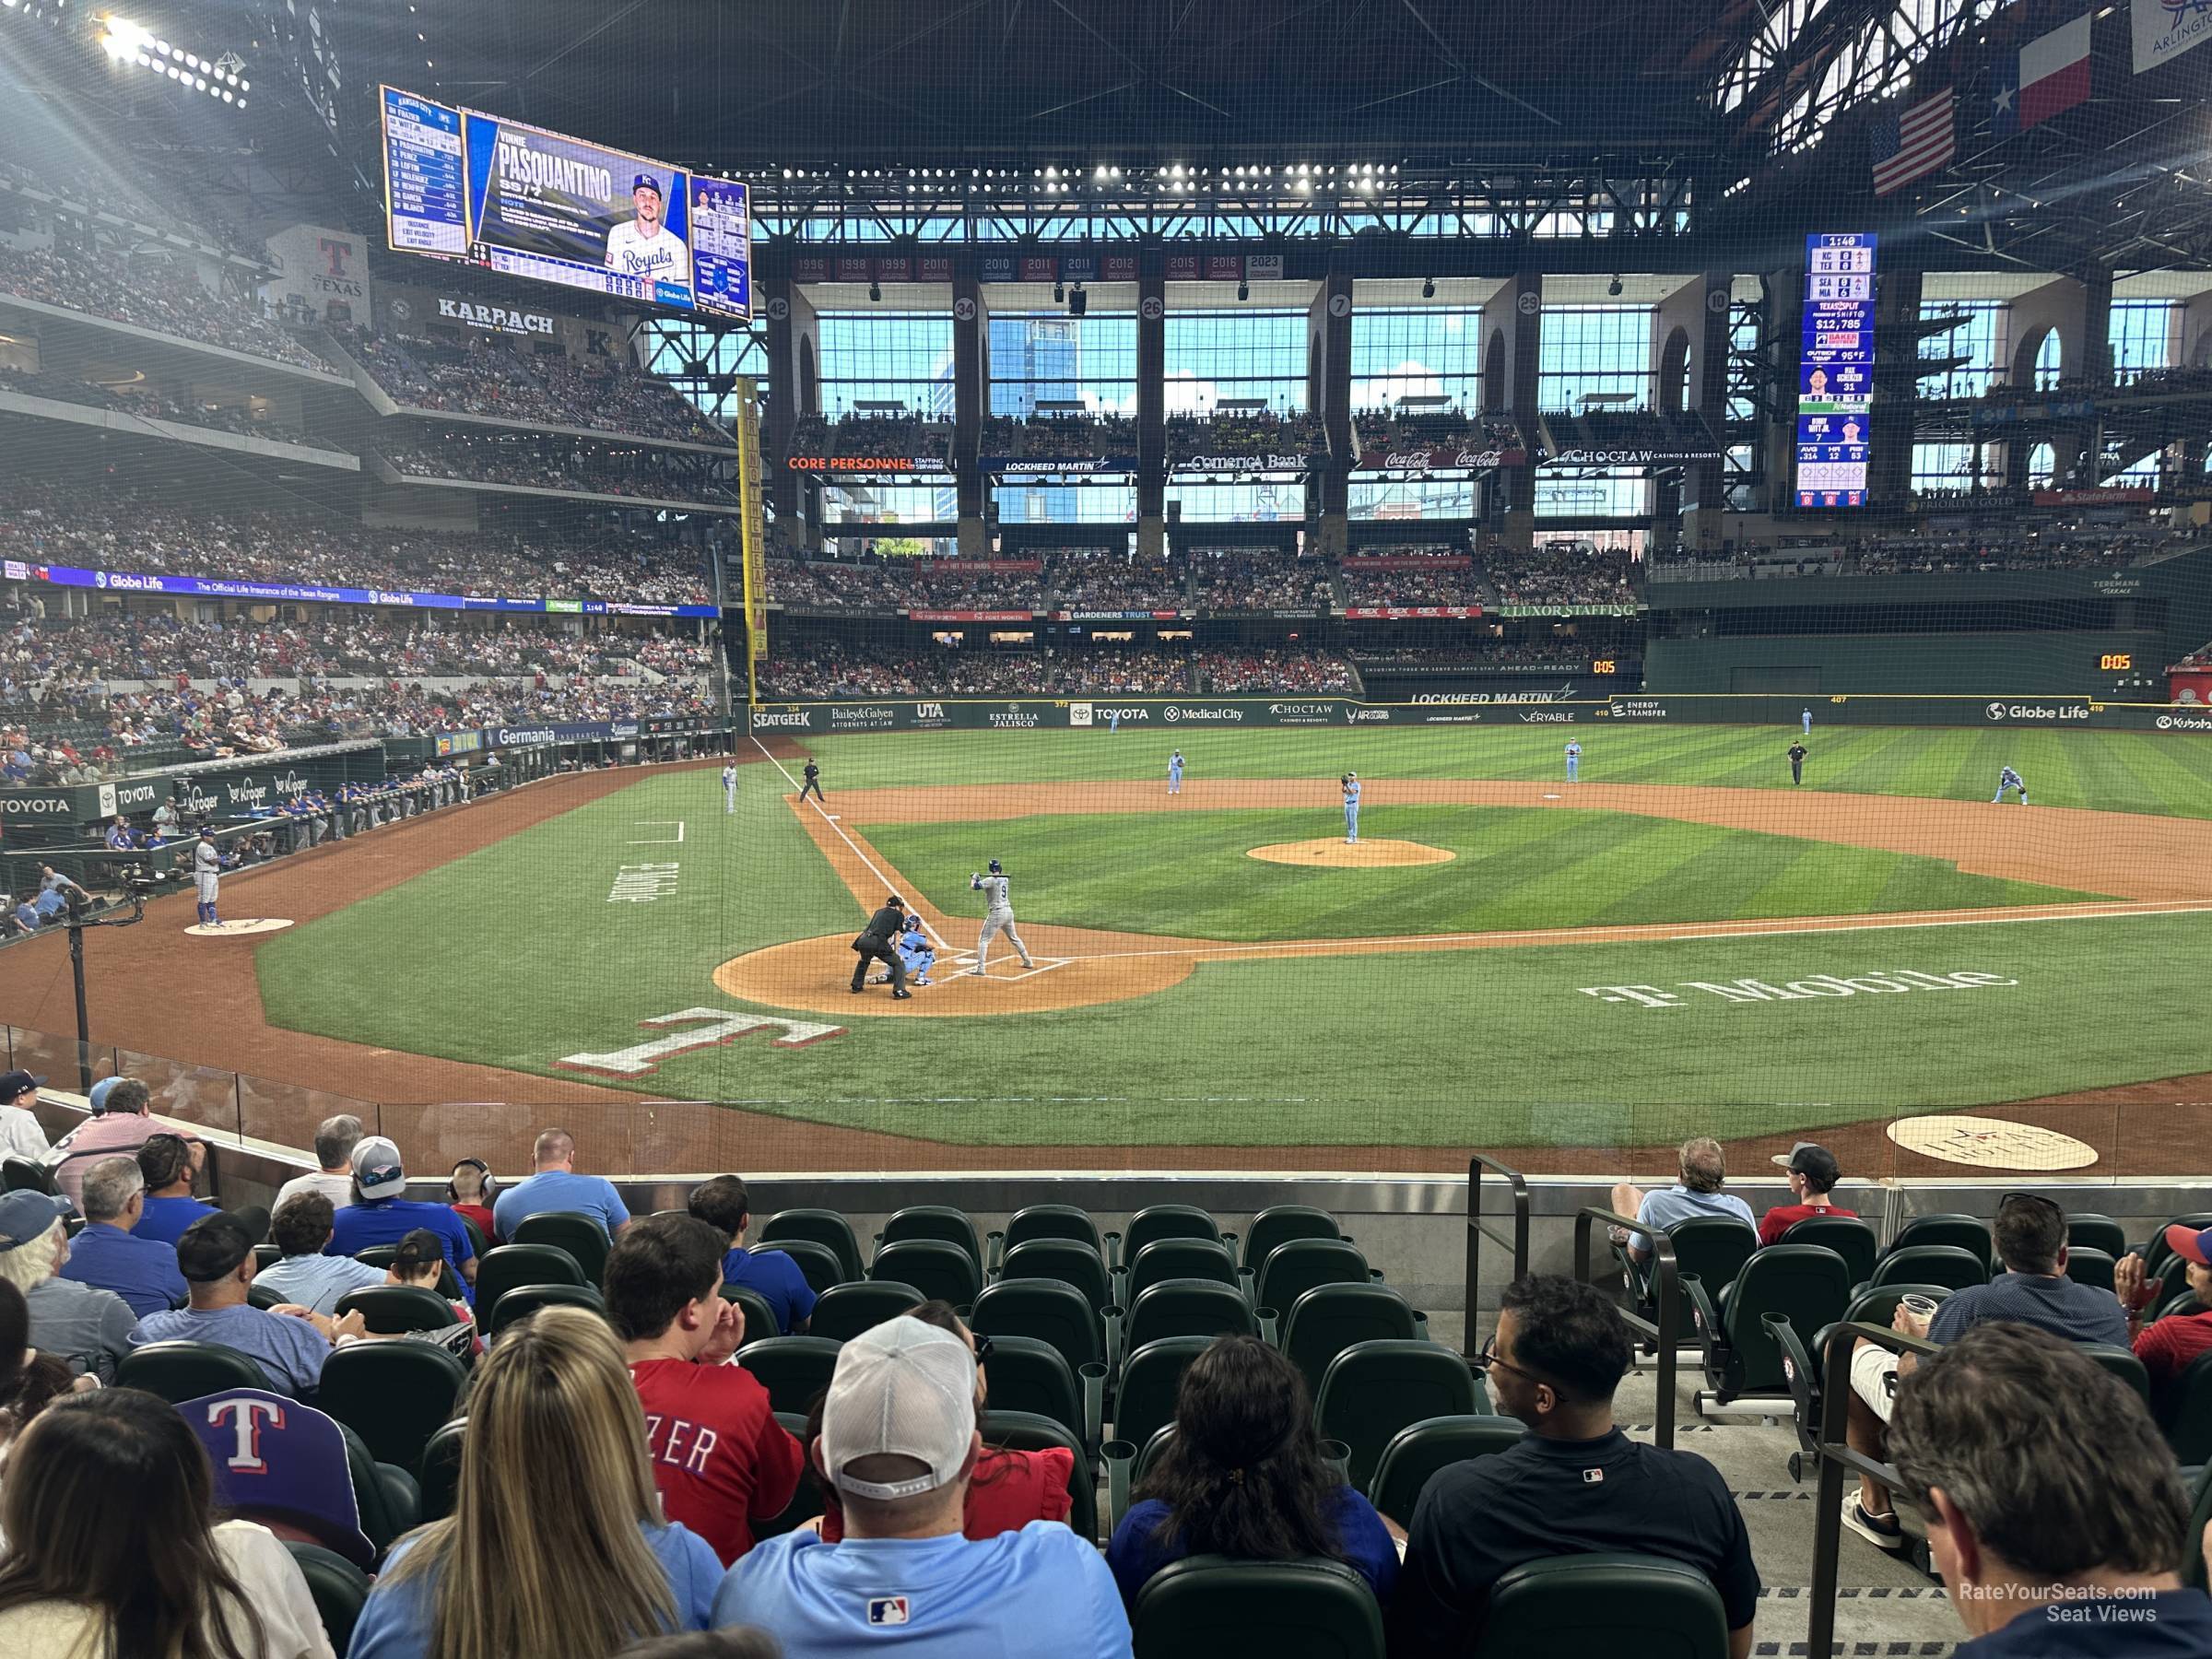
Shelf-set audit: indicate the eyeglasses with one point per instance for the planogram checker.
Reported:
(2050, 1203)
(1488, 1359)
(982, 1346)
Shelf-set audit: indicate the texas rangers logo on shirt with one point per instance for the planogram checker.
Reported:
(888, 1609)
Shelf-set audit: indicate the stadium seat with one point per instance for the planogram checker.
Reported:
(521, 1302)
(2193, 1542)
(1165, 1259)
(581, 1235)
(448, 1282)
(185, 1371)
(1044, 1221)
(819, 1264)
(1851, 1239)
(823, 1226)
(440, 1468)
(2097, 1232)
(2184, 1409)
(793, 1369)
(339, 1589)
(939, 1221)
(1048, 1310)
(25, 1175)
(1292, 1269)
(1024, 1374)
(1417, 1451)
(1712, 1248)
(843, 1311)
(806, 1499)
(1026, 1431)
(1372, 1390)
(1807, 1284)
(1965, 1232)
(394, 1394)
(2155, 1252)
(941, 1270)
(1329, 1318)
(1150, 1377)
(1203, 1606)
(477, 1242)
(1158, 1221)
(1952, 1266)
(2086, 1265)
(265, 1256)
(1603, 1604)
(1190, 1308)
(760, 1318)
(1069, 1261)
(2123, 1364)
(1279, 1224)
(263, 1297)
(507, 1266)
(394, 1309)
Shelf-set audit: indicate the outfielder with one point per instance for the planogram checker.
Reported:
(207, 865)
(2009, 779)
(998, 917)
(729, 789)
(1574, 759)
(1175, 772)
(1351, 808)
(1808, 716)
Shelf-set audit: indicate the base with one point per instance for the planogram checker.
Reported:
(244, 925)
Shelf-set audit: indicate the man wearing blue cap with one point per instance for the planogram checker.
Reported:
(21, 1134)
(645, 248)
(88, 1329)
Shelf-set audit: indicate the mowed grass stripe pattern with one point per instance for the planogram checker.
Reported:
(2165, 774)
(1514, 868)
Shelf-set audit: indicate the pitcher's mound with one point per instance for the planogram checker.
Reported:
(1336, 852)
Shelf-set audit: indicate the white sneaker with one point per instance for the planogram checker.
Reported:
(1891, 1539)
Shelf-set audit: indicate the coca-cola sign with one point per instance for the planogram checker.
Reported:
(1444, 458)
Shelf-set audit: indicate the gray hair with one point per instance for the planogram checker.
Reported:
(109, 1185)
(1703, 1167)
(335, 1138)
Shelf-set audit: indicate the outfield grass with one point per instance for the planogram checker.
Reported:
(1516, 867)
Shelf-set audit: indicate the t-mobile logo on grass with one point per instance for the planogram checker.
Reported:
(1887, 979)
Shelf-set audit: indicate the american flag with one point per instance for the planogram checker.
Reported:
(1912, 144)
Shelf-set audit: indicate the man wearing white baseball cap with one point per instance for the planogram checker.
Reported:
(898, 1442)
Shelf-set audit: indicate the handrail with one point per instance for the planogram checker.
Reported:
(1476, 1163)
(1667, 1292)
(1836, 1455)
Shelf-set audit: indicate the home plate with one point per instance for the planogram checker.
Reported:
(232, 930)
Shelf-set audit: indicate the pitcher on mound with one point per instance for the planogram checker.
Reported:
(998, 917)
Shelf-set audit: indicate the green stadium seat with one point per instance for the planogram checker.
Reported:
(442, 1469)
(2192, 1544)
(185, 1371)
(19, 1174)
(581, 1235)
(1026, 1431)
(267, 1256)
(1045, 1221)
(477, 1242)
(1965, 1232)
(1951, 1266)
(1150, 1377)
(2123, 1364)
(843, 1311)
(1203, 1606)
(1190, 1308)
(2097, 1232)
(760, 1318)
(794, 1370)
(394, 1309)
(1279, 1224)
(1373, 1390)
(1711, 1248)
(339, 1588)
(1069, 1261)
(384, 1495)
(939, 1221)
(2185, 1409)
(2086, 1265)
(1050, 1311)
(1158, 1221)
(1417, 1451)
(504, 1267)
(521, 1302)
(941, 1270)
(1292, 1269)
(1025, 1374)
(383, 1256)
(807, 1501)
(1330, 1318)
(818, 1263)
(263, 1297)
(1807, 1284)
(1603, 1604)
(1165, 1259)
(1850, 1237)
(394, 1394)
(823, 1226)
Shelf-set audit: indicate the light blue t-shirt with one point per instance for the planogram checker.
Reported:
(550, 1190)
(396, 1621)
(291, 1351)
(1041, 1590)
(1663, 1209)
(317, 1281)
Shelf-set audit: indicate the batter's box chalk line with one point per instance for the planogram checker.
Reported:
(964, 959)
(657, 841)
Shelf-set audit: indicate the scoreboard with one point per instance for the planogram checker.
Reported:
(1835, 370)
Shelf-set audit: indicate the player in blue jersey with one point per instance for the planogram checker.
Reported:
(2009, 779)
(917, 950)
(1574, 759)
(1351, 808)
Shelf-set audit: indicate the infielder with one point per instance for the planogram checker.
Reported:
(1574, 760)
(207, 865)
(2009, 779)
(645, 248)
(998, 917)
(729, 790)
(1351, 808)
(1175, 772)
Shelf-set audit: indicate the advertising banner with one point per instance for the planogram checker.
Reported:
(1401, 613)
(291, 592)
(323, 271)
(2163, 29)
(971, 615)
(1443, 459)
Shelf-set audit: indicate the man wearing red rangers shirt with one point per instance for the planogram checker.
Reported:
(719, 1456)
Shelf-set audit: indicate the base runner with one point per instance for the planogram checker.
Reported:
(998, 917)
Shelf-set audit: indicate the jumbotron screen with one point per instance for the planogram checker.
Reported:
(459, 184)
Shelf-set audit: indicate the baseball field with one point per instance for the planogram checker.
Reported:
(1681, 939)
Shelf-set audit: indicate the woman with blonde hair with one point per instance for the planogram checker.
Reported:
(556, 1548)
(87, 1329)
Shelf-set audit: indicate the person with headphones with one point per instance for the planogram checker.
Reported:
(469, 1191)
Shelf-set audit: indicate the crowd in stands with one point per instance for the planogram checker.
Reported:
(1388, 430)
(491, 377)
(151, 291)
(1411, 585)
(484, 458)
(1562, 573)
(50, 526)
(1260, 579)
(884, 436)
(902, 584)
(153, 405)
(1099, 579)
(806, 669)
(1681, 433)
(1261, 671)
(1060, 437)
(45, 156)
(2059, 546)
(1477, 651)
(1246, 433)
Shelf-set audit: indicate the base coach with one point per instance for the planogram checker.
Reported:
(874, 943)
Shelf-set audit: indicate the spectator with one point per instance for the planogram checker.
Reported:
(1813, 1176)
(2031, 1235)
(1009, 1488)
(381, 1212)
(898, 1442)
(1698, 1192)
(555, 1185)
(469, 1191)
(556, 1548)
(125, 1123)
(29, 1381)
(302, 1274)
(2167, 1346)
(719, 1457)
(88, 1329)
(1575, 1484)
(170, 1164)
(419, 1261)
(290, 1342)
(114, 1545)
(108, 1256)
(2055, 1512)
(724, 1204)
(335, 1138)
(1245, 1477)
(21, 1134)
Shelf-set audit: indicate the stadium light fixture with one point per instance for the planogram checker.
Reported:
(1427, 287)
(876, 290)
(1613, 288)
(1243, 290)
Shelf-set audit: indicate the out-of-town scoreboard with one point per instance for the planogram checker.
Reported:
(1835, 370)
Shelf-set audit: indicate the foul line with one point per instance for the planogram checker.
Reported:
(658, 840)
(831, 819)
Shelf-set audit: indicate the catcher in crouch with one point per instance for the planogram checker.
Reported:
(998, 917)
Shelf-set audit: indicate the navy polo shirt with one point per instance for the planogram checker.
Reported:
(2065, 1307)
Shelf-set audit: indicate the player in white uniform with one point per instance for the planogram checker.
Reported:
(729, 789)
(208, 863)
(998, 917)
(645, 248)
(1175, 772)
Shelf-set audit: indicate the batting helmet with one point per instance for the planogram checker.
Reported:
(995, 869)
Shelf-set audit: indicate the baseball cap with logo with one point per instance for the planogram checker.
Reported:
(377, 1170)
(646, 181)
(26, 1215)
(15, 1084)
(901, 1389)
(2190, 1244)
(1813, 1161)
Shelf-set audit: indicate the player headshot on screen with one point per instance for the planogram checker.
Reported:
(646, 248)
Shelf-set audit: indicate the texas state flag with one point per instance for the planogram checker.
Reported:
(2050, 75)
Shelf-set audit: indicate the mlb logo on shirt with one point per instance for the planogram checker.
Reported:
(886, 1610)
(1593, 1477)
